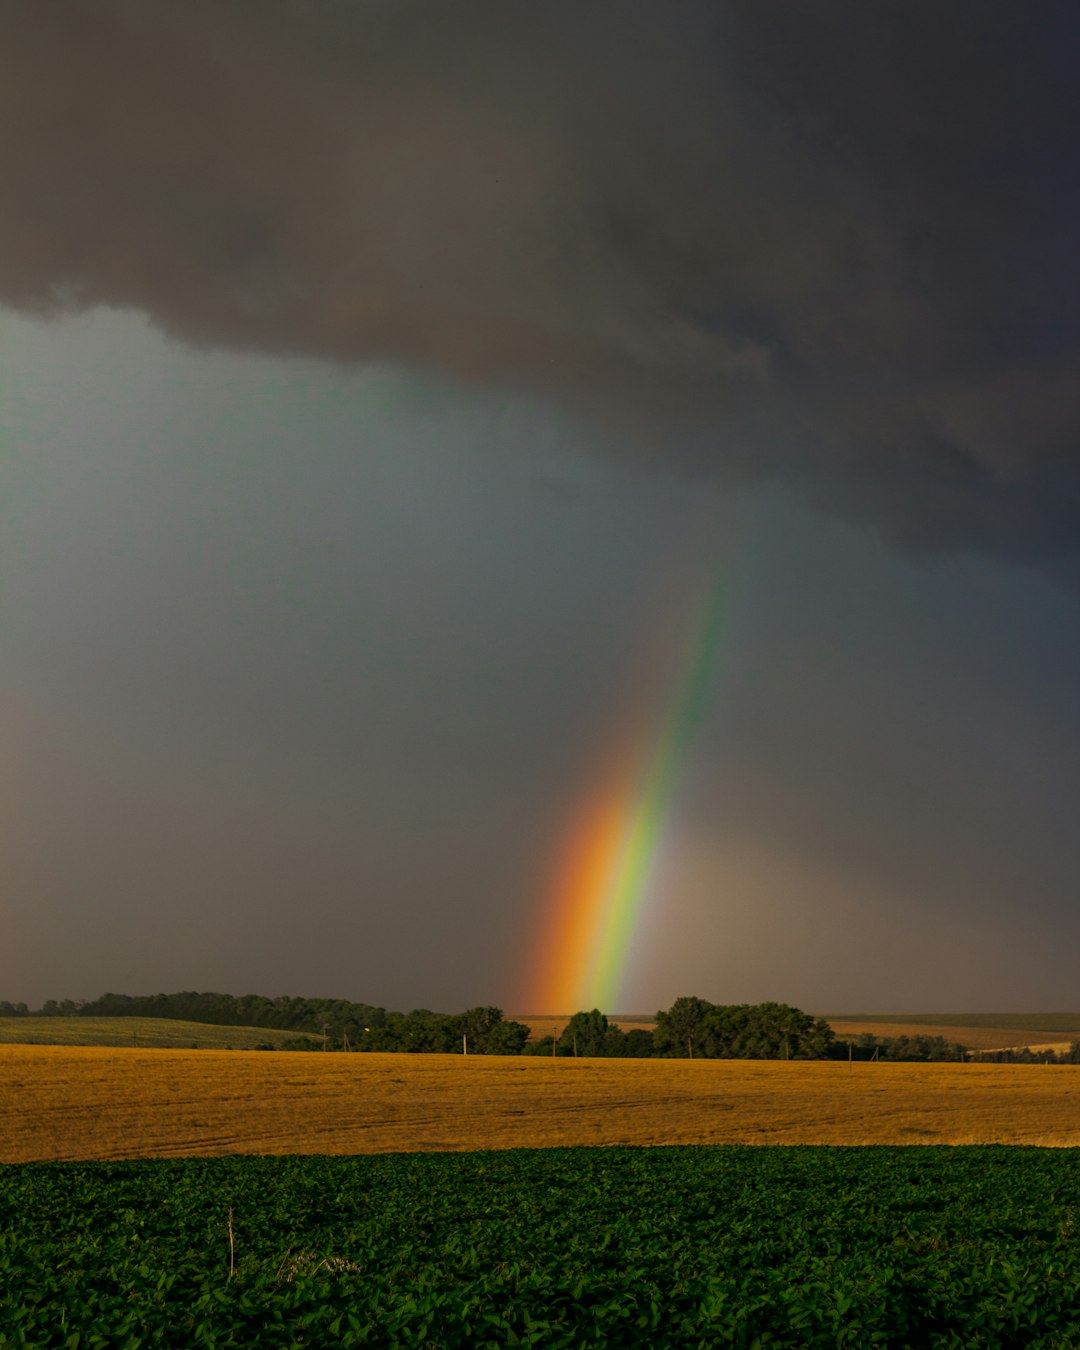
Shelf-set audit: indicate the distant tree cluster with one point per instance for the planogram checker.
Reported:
(936, 1049)
(909, 1049)
(696, 1029)
(248, 1010)
(1024, 1054)
(479, 1031)
(591, 1034)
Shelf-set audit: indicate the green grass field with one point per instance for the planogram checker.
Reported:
(145, 1032)
(657, 1247)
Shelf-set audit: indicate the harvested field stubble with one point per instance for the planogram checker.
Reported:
(90, 1102)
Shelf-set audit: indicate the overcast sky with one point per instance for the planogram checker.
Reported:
(378, 379)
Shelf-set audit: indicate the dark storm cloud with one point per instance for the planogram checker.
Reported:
(834, 241)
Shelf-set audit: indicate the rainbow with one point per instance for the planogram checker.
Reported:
(595, 905)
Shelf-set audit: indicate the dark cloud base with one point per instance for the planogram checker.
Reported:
(831, 241)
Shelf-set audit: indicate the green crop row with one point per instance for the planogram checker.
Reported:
(731, 1246)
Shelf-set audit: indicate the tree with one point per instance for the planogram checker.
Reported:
(763, 1031)
(679, 1027)
(693, 1027)
(545, 1045)
(818, 1041)
(484, 1031)
(586, 1034)
(478, 1024)
(638, 1044)
(506, 1038)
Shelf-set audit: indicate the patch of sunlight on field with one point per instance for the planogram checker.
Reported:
(147, 1032)
(84, 1103)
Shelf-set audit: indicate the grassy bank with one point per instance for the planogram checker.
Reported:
(145, 1032)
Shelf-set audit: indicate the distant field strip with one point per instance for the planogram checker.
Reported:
(95, 1103)
(972, 1037)
(1033, 1028)
(147, 1032)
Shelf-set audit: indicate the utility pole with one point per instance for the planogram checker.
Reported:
(325, 1030)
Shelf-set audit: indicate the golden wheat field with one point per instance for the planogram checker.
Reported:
(64, 1102)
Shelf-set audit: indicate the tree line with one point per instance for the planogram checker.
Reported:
(692, 1028)
(336, 1023)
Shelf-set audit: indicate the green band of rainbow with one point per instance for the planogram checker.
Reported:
(629, 884)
